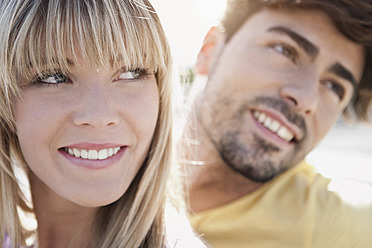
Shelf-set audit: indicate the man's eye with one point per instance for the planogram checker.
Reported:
(286, 50)
(53, 78)
(335, 87)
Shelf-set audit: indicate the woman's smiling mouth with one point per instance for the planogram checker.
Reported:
(92, 154)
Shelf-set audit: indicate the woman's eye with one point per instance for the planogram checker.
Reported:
(131, 75)
(53, 78)
(285, 50)
(336, 88)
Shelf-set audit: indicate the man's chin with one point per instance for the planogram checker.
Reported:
(264, 171)
(259, 173)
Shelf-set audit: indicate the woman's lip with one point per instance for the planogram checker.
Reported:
(93, 146)
(93, 164)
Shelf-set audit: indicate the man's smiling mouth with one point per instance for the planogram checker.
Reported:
(274, 126)
(92, 154)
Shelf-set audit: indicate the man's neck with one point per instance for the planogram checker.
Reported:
(212, 192)
(211, 183)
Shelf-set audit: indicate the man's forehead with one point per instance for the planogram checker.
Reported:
(313, 26)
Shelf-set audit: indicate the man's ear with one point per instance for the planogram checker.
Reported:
(208, 51)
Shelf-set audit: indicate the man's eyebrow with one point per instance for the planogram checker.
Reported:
(304, 43)
(344, 73)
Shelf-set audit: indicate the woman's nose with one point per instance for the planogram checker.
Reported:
(96, 107)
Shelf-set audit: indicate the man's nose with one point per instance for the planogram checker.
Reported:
(96, 107)
(303, 95)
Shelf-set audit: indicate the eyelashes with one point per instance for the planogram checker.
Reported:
(57, 77)
(135, 74)
(285, 50)
(335, 87)
(51, 78)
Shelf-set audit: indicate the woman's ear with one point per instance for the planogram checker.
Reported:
(208, 51)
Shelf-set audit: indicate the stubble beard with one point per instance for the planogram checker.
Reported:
(259, 161)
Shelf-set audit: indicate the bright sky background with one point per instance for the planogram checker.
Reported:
(186, 22)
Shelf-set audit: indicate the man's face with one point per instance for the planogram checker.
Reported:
(276, 88)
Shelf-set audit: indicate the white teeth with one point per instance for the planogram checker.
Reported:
(261, 117)
(102, 154)
(110, 152)
(93, 154)
(77, 153)
(285, 134)
(84, 154)
(274, 126)
(267, 122)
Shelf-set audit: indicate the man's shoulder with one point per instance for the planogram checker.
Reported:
(345, 202)
(350, 192)
(320, 191)
(342, 214)
(345, 192)
(303, 187)
(320, 211)
(339, 209)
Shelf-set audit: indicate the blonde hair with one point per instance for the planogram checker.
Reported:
(38, 34)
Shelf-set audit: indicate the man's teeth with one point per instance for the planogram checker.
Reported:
(93, 154)
(274, 126)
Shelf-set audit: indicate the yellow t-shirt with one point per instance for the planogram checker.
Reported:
(300, 208)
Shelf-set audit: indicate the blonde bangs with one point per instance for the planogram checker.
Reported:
(54, 34)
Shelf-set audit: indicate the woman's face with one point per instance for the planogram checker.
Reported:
(85, 135)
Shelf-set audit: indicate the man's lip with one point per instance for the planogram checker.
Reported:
(279, 117)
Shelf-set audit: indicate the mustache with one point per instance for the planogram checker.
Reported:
(284, 108)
